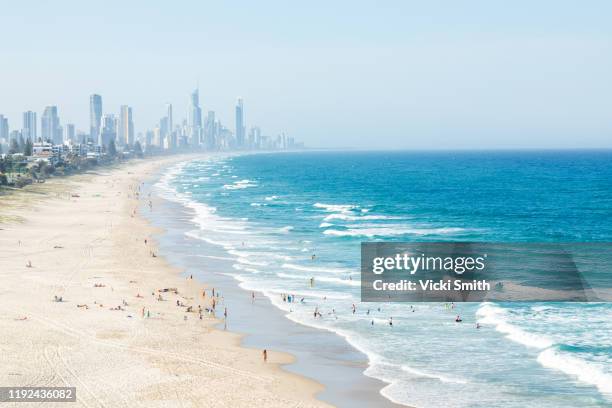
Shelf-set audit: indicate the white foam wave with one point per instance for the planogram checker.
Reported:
(440, 377)
(348, 217)
(325, 225)
(340, 281)
(316, 269)
(238, 185)
(490, 314)
(337, 208)
(589, 373)
(274, 294)
(240, 267)
(221, 258)
(247, 261)
(245, 254)
(390, 231)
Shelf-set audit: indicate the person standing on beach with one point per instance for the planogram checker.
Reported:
(265, 355)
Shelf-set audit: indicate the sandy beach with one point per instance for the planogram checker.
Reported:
(81, 239)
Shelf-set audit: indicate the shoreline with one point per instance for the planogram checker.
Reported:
(85, 245)
(336, 364)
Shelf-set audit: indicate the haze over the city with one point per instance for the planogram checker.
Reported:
(472, 74)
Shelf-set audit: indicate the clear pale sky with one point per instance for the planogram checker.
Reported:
(422, 74)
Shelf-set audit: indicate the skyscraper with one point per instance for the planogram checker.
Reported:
(29, 126)
(169, 116)
(158, 138)
(240, 127)
(15, 135)
(210, 131)
(255, 138)
(81, 137)
(126, 126)
(195, 118)
(166, 133)
(149, 138)
(50, 125)
(4, 129)
(69, 133)
(108, 130)
(163, 130)
(95, 116)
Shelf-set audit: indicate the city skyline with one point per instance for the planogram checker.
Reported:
(196, 131)
(403, 75)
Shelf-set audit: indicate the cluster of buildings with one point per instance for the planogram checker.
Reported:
(205, 131)
(111, 132)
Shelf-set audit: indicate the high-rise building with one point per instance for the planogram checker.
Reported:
(291, 143)
(4, 129)
(50, 126)
(81, 137)
(195, 118)
(69, 133)
(240, 126)
(28, 130)
(15, 135)
(164, 131)
(157, 137)
(210, 135)
(255, 138)
(95, 117)
(225, 137)
(169, 116)
(126, 126)
(108, 130)
(149, 138)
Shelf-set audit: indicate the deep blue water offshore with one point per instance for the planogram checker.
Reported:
(272, 212)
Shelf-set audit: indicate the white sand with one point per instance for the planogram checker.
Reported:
(114, 360)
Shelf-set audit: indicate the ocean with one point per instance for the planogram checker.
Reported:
(282, 219)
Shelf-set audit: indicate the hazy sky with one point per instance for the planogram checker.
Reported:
(422, 74)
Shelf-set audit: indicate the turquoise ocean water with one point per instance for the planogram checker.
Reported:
(271, 213)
